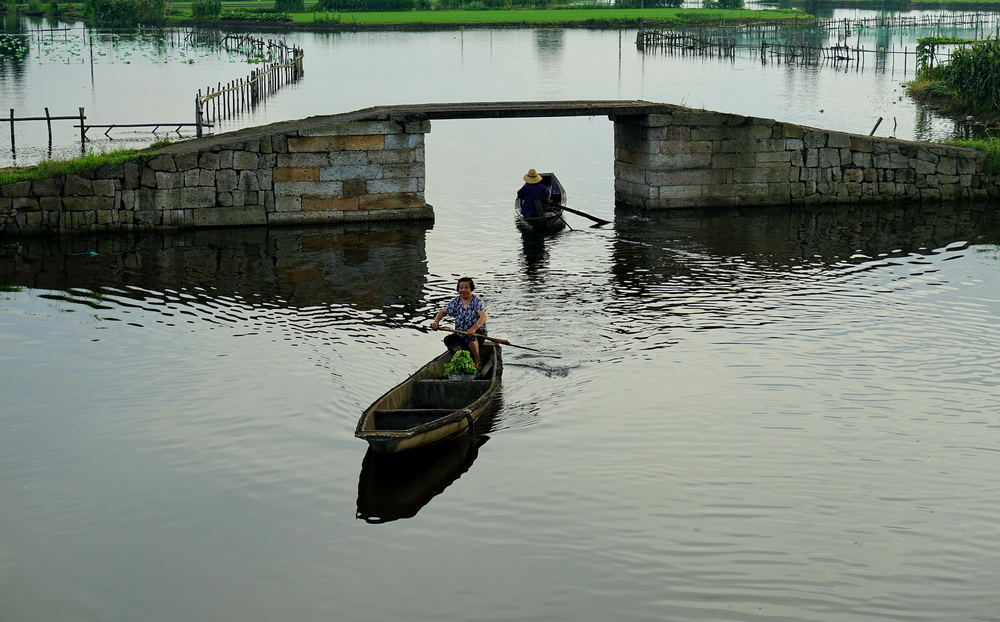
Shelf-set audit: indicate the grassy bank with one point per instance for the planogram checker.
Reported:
(89, 162)
(457, 19)
(556, 17)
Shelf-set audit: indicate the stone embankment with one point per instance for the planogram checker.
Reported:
(698, 158)
(324, 169)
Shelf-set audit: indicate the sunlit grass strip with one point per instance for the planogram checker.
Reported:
(52, 168)
(552, 16)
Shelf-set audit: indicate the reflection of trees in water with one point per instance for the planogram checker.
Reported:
(365, 267)
(549, 44)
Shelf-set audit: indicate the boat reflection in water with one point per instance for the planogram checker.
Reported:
(394, 486)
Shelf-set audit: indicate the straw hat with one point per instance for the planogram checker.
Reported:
(532, 177)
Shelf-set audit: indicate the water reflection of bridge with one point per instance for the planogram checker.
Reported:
(300, 268)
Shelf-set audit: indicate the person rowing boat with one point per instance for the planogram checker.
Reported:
(470, 316)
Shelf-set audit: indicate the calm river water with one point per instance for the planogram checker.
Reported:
(763, 414)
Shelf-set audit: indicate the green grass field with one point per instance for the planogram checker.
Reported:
(549, 16)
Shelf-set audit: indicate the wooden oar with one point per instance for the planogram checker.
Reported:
(496, 339)
(599, 221)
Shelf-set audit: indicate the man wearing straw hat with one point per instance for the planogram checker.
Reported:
(532, 194)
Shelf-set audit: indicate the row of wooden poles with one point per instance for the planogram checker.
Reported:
(684, 44)
(285, 66)
(227, 101)
(766, 37)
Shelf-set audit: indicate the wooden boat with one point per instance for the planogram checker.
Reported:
(428, 408)
(553, 220)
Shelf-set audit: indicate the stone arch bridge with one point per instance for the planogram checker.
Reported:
(369, 165)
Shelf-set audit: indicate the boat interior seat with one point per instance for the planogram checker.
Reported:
(448, 394)
(406, 418)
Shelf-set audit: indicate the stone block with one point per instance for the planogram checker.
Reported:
(402, 141)
(76, 185)
(320, 203)
(25, 204)
(148, 178)
(738, 145)
(354, 187)
(773, 157)
(226, 180)
(679, 147)
(829, 157)
(131, 175)
(760, 175)
(166, 181)
(313, 144)
(162, 163)
(706, 133)
(265, 179)
(402, 200)
(356, 128)
(417, 127)
(208, 160)
(814, 139)
(245, 160)
(838, 140)
(248, 181)
(287, 204)
(229, 216)
(341, 173)
(307, 160)
(279, 143)
(319, 188)
(790, 130)
(87, 204)
(689, 177)
(947, 165)
(386, 156)
(106, 187)
(392, 171)
(681, 192)
(49, 204)
(627, 173)
(197, 197)
(186, 161)
(861, 159)
(393, 186)
(224, 199)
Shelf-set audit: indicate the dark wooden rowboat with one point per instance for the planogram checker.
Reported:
(553, 220)
(427, 408)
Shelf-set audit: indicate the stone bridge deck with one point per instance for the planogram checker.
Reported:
(369, 165)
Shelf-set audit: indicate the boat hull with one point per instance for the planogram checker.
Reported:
(553, 220)
(550, 223)
(426, 408)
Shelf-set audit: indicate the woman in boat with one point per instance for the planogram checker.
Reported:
(470, 316)
(532, 190)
